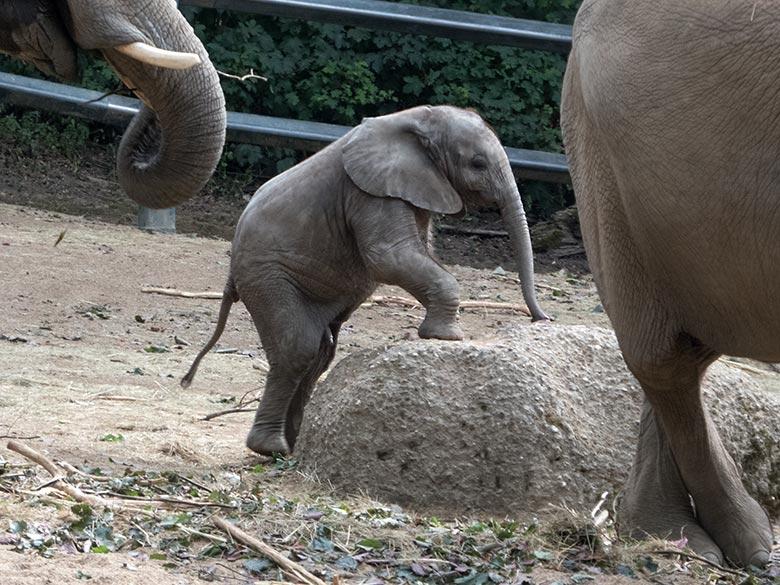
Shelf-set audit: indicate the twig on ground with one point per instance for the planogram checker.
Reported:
(228, 411)
(211, 537)
(452, 229)
(49, 483)
(745, 367)
(288, 566)
(372, 300)
(55, 471)
(239, 407)
(405, 302)
(18, 438)
(167, 500)
(198, 485)
(172, 292)
(695, 557)
(567, 252)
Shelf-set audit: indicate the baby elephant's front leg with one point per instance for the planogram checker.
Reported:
(410, 267)
(440, 297)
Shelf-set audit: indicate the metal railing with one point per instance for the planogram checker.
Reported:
(310, 136)
(408, 18)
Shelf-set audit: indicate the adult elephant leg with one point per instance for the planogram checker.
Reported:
(655, 501)
(732, 519)
(681, 450)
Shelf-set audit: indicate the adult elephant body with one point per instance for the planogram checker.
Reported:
(670, 117)
(174, 143)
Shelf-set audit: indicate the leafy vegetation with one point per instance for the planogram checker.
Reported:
(167, 519)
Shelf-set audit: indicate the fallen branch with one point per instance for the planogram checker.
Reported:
(73, 471)
(56, 472)
(290, 567)
(695, 557)
(411, 303)
(172, 292)
(228, 411)
(452, 229)
(493, 305)
(567, 252)
(239, 407)
(384, 300)
(169, 500)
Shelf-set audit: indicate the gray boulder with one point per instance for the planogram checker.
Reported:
(547, 414)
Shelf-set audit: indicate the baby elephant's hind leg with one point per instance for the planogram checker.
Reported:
(291, 337)
(307, 383)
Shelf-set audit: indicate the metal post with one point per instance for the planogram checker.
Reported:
(157, 220)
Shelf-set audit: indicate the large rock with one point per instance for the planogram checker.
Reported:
(548, 414)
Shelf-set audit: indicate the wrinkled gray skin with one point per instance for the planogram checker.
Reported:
(669, 116)
(315, 241)
(173, 145)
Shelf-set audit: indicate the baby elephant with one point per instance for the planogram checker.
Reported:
(315, 241)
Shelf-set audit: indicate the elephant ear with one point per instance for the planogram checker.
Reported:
(398, 156)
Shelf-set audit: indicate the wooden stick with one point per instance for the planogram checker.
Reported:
(405, 302)
(73, 471)
(228, 411)
(374, 299)
(452, 229)
(695, 557)
(55, 471)
(172, 292)
(293, 568)
(169, 500)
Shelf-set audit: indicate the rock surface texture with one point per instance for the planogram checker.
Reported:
(546, 415)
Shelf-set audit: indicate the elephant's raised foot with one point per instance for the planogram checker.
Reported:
(267, 442)
(433, 329)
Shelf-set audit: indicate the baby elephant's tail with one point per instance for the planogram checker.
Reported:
(229, 297)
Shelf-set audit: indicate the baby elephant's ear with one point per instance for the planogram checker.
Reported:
(398, 156)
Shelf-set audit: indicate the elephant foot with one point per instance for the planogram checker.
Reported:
(266, 442)
(640, 517)
(740, 526)
(436, 329)
(655, 500)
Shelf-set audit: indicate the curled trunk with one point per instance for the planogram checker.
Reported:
(173, 145)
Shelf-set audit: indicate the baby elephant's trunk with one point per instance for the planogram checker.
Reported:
(229, 296)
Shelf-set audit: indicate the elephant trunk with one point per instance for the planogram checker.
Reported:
(513, 215)
(174, 143)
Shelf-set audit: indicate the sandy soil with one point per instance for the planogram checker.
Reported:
(78, 360)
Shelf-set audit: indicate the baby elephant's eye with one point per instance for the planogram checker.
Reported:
(478, 163)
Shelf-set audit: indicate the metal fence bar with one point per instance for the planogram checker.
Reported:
(412, 19)
(244, 128)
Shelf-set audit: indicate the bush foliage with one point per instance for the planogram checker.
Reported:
(337, 74)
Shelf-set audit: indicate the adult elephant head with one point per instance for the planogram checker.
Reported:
(174, 143)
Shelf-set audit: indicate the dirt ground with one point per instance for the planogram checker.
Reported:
(90, 364)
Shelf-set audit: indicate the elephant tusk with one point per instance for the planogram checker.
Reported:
(160, 57)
